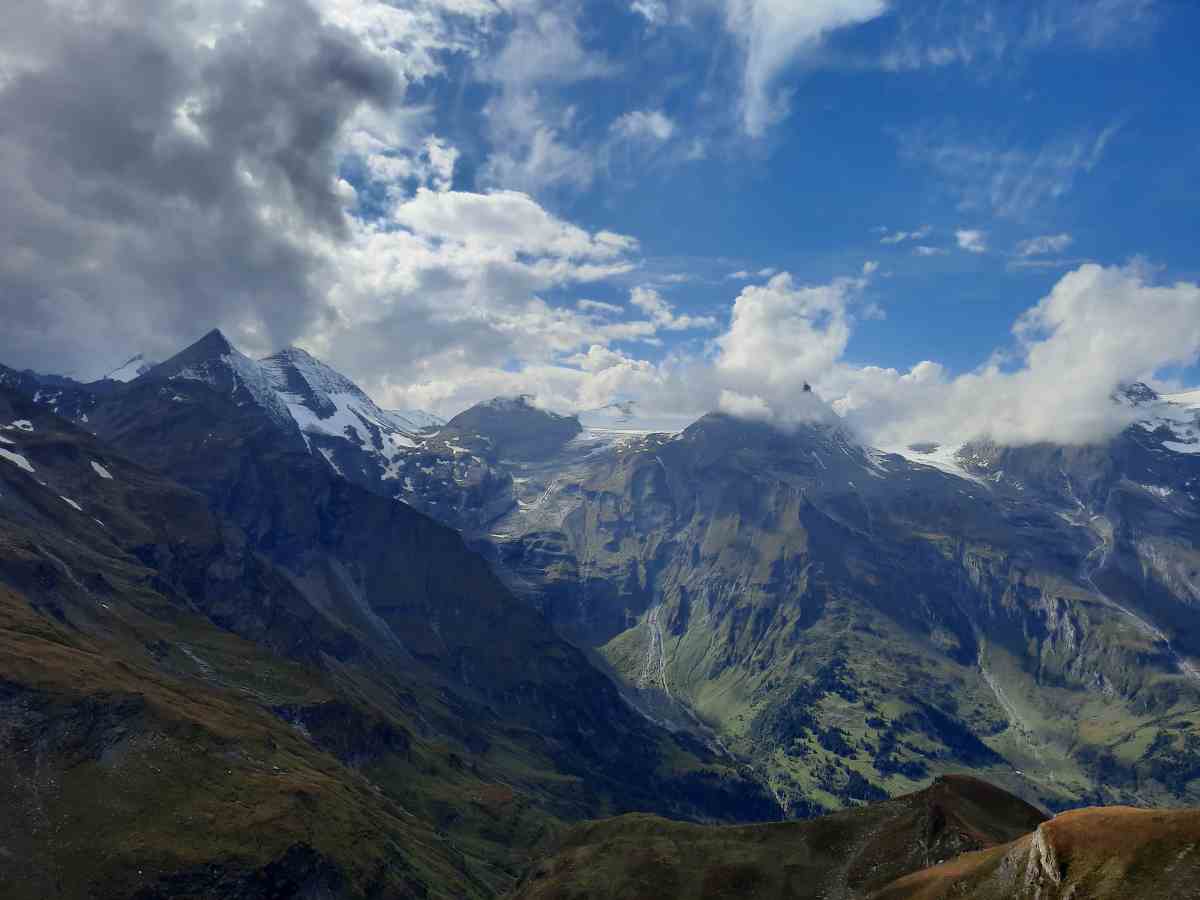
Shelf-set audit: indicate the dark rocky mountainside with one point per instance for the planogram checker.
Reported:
(228, 671)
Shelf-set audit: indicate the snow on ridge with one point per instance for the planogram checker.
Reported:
(322, 401)
(1179, 414)
(130, 369)
(101, 471)
(71, 502)
(16, 459)
(943, 457)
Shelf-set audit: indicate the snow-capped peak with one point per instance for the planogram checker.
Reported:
(216, 362)
(324, 402)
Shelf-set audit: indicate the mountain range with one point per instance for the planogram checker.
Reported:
(233, 660)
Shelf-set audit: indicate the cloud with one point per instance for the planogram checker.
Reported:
(899, 237)
(598, 306)
(164, 165)
(990, 33)
(655, 12)
(971, 240)
(529, 123)
(1048, 243)
(644, 125)
(774, 36)
(1011, 182)
(1097, 328)
(663, 315)
(926, 250)
(782, 334)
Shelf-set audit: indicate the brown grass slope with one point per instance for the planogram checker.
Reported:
(845, 855)
(1101, 853)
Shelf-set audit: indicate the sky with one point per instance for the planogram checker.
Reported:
(954, 218)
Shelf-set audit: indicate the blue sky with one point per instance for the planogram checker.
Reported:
(1092, 130)
(956, 205)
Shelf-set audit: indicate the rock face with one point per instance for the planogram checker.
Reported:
(227, 670)
(852, 854)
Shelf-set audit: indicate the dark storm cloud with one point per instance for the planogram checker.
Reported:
(162, 173)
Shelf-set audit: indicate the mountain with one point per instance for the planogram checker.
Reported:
(229, 671)
(855, 621)
(851, 854)
(851, 620)
(1106, 853)
(130, 369)
(957, 838)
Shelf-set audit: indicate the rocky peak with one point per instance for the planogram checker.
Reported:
(1136, 393)
(514, 427)
(214, 361)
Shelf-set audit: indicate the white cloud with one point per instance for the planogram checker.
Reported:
(926, 250)
(899, 237)
(1097, 328)
(530, 125)
(598, 306)
(870, 267)
(774, 36)
(972, 240)
(743, 406)
(1047, 243)
(782, 334)
(1011, 182)
(644, 125)
(663, 315)
(985, 34)
(655, 12)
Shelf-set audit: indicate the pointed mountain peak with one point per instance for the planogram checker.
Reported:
(214, 361)
(214, 343)
(212, 347)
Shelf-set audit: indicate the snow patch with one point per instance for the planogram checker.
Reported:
(22, 425)
(16, 459)
(101, 471)
(71, 502)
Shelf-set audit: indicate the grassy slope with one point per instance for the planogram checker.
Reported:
(850, 853)
(1088, 854)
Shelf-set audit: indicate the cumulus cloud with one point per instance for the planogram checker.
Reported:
(165, 164)
(782, 334)
(1048, 243)
(971, 240)
(1099, 327)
